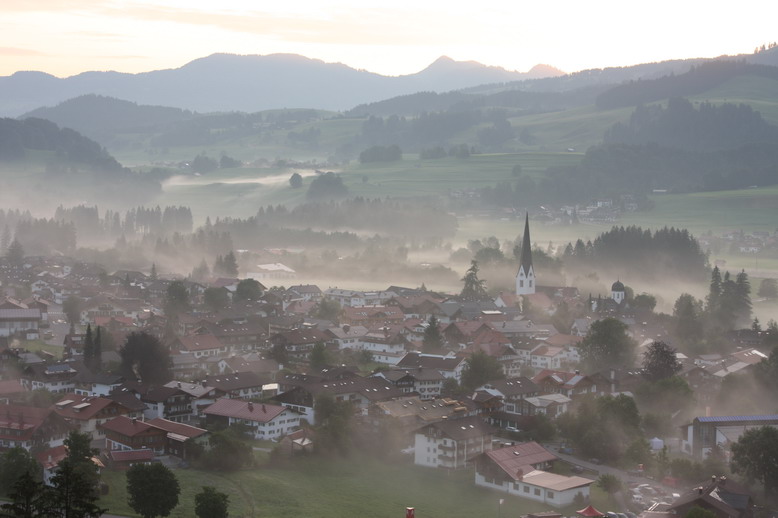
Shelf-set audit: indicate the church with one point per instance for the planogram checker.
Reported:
(525, 278)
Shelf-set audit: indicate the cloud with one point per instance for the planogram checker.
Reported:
(15, 51)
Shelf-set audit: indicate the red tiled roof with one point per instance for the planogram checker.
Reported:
(51, 458)
(203, 342)
(11, 387)
(177, 428)
(81, 408)
(131, 455)
(239, 409)
(128, 427)
(519, 459)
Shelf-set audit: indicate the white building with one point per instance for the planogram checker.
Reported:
(269, 422)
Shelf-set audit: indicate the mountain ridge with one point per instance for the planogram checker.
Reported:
(232, 82)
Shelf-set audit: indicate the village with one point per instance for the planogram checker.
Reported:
(450, 382)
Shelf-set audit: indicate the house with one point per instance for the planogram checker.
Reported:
(548, 357)
(550, 405)
(519, 470)
(199, 345)
(170, 403)
(426, 383)
(299, 342)
(452, 443)
(31, 427)
(570, 384)
(180, 436)
(449, 366)
(306, 292)
(408, 414)
(724, 498)
(57, 377)
(246, 385)
(249, 363)
(264, 421)
(299, 441)
(704, 433)
(87, 383)
(512, 392)
(87, 413)
(362, 393)
(125, 433)
(387, 346)
(370, 316)
(347, 337)
(11, 391)
(122, 460)
(20, 321)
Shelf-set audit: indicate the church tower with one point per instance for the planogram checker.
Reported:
(525, 279)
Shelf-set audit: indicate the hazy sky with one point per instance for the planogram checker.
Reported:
(65, 37)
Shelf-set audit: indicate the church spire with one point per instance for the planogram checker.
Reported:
(526, 247)
(525, 278)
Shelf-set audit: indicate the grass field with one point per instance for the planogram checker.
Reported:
(333, 488)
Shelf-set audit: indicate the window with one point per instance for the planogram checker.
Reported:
(521, 284)
(526, 489)
(537, 491)
(550, 494)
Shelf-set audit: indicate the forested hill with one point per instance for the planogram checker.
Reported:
(696, 81)
(17, 138)
(99, 117)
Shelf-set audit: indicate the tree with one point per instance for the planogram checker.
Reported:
(755, 455)
(74, 484)
(15, 253)
(473, 288)
(210, 503)
(319, 357)
(743, 299)
(327, 185)
(688, 326)
(327, 309)
(177, 299)
(248, 289)
(216, 298)
(13, 464)
(144, 356)
(609, 483)
(334, 424)
(152, 490)
(296, 181)
(89, 346)
(714, 292)
(644, 302)
(29, 498)
(71, 307)
(480, 368)
(153, 271)
(230, 265)
(660, 362)
(768, 289)
(228, 452)
(201, 271)
(433, 339)
(607, 345)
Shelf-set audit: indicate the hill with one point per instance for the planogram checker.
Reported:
(227, 82)
(100, 118)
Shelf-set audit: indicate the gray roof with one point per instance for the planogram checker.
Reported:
(737, 418)
(20, 314)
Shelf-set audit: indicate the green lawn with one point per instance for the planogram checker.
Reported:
(323, 488)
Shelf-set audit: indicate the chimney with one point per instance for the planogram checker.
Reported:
(722, 480)
(699, 490)
(713, 479)
(251, 406)
(134, 420)
(263, 408)
(178, 384)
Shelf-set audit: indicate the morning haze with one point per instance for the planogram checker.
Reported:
(284, 284)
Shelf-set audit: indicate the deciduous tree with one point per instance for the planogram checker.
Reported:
(755, 455)
(152, 490)
(660, 362)
(607, 345)
(210, 503)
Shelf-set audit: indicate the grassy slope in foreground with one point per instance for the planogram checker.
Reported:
(332, 488)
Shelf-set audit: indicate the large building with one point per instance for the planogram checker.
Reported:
(704, 433)
(525, 278)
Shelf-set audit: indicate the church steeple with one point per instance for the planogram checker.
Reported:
(525, 278)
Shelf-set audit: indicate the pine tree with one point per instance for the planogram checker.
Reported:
(5, 240)
(153, 271)
(230, 265)
(97, 352)
(433, 340)
(89, 347)
(714, 294)
(15, 253)
(743, 298)
(474, 287)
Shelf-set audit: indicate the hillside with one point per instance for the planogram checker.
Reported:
(227, 82)
(100, 118)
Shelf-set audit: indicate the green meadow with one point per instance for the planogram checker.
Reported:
(316, 487)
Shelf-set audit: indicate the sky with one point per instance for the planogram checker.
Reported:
(66, 37)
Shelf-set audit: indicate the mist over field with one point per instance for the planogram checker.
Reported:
(322, 291)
